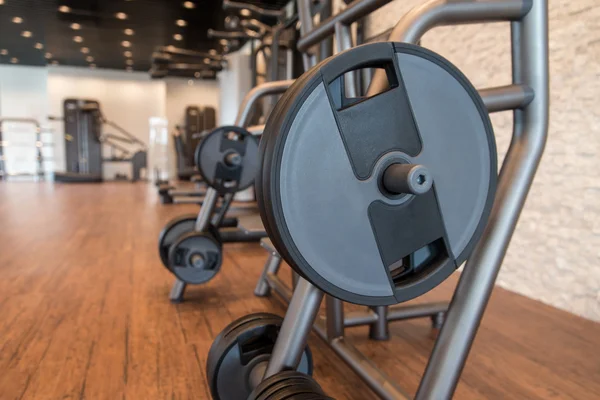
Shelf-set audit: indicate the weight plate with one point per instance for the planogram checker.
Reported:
(173, 230)
(288, 385)
(195, 257)
(227, 159)
(242, 345)
(330, 165)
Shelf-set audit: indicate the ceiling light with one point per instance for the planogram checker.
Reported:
(207, 61)
(121, 15)
(26, 34)
(129, 62)
(181, 23)
(126, 43)
(75, 26)
(128, 54)
(197, 74)
(48, 55)
(244, 12)
(129, 32)
(89, 59)
(85, 50)
(178, 37)
(189, 4)
(4, 52)
(224, 42)
(1, 2)
(39, 46)
(77, 39)
(64, 9)
(17, 20)
(212, 52)
(14, 60)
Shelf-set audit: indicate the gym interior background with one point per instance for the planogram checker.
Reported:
(84, 306)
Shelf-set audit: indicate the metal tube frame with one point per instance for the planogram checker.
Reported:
(211, 198)
(528, 98)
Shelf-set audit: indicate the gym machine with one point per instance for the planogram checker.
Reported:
(84, 138)
(401, 229)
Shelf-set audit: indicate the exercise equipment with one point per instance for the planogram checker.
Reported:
(13, 151)
(422, 78)
(288, 385)
(241, 352)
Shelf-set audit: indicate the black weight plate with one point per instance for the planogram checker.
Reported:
(174, 228)
(228, 365)
(288, 385)
(323, 159)
(195, 257)
(212, 159)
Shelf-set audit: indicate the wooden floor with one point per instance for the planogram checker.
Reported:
(84, 313)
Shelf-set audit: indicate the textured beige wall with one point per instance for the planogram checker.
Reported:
(555, 252)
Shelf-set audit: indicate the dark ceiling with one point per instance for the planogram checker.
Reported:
(153, 23)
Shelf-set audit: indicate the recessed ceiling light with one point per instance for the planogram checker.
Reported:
(77, 39)
(207, 61)
(4, 52)
(89, 59)
(17, 20)
(129, 32)
(48, 55)
(26, 34)
(126, 43)
(244, 12)
(128, 54)
(224, 42)
(121, 15)
(1, 2)
(64, 9)
(212, 52)
(181, 23)
(129, 62)
(197, 74)
(39, 46)
(14, 60)
(178, 37)
(189, 4)
(75, 26)
(85, 50)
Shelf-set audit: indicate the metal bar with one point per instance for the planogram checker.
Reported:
(237, 5)
(271, 267)
(177, 291)
(343, 37)
(359, 318)
(306, 25)
(379, 329)
(279, 287)
(335, 317)
(265, 89)
(206, 211)
(530, 67)
(299, 318)
(355, 10)
(256, 129)
(419, 20)
(506, 98)
(402, 312)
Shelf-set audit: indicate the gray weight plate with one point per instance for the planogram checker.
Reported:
(195, 257)
(240, 347)
(227, 159)
(325, 161)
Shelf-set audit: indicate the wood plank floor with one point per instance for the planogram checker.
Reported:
(84, 313)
